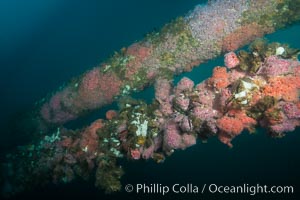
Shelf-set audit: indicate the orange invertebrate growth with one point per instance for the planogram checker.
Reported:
(283, 87)
(219, 78)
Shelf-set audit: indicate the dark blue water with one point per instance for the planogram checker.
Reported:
(44, 43)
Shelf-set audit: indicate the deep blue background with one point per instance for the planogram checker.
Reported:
(44, 43)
